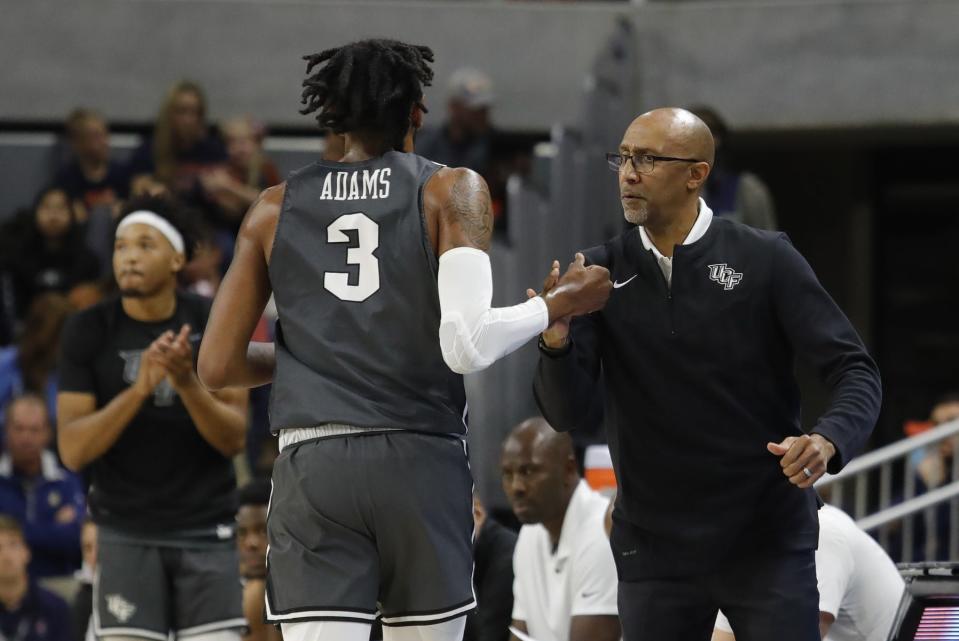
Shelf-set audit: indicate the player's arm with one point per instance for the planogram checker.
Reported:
(473, 334)
(227, 357)
(594, 586)
(594, 627)
(219, 417)
(85, 433)
(519, 625)
(825, 622)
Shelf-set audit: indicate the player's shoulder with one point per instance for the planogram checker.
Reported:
(836, 528)
(93, 322)
(456, 178)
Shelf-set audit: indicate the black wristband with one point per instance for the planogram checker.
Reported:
(555, 351)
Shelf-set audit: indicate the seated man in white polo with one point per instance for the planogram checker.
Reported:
(859, 586)
(565, 576)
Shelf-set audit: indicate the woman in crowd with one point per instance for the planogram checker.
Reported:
(48, 253)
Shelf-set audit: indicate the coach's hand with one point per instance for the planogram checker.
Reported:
(581, 290)
(175, 354)
(809, 452)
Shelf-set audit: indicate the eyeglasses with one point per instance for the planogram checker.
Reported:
(643, 163)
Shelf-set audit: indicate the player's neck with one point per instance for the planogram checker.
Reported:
(358, 147)
(674, 230)
(151, 309)
(12, 591)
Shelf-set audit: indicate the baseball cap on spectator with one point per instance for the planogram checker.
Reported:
(471, 87)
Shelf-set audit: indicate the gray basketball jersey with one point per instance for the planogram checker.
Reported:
(354, 279)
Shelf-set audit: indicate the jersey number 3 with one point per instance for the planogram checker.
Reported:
(368, 235)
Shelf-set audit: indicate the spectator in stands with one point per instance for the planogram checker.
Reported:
(90, 177)
(31, 364)
(232, 188)
(46, 499)
(27, 611)
(936, 463)
(565, 585)
(182, 146)
(81, 608)
(251, 542)
(50, 255)
(493, 547)
(465, 138)
(934, 469)
(739, 195)
(202, 274)
(859, 585)
(235, 185)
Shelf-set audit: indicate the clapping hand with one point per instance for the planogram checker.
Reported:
(175, 354)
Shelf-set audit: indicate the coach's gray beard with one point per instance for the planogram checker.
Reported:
(637, 216)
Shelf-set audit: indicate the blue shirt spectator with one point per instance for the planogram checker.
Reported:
(27, 611)
(46, 499)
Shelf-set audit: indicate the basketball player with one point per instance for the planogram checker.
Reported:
(383, 289)
(156, 444)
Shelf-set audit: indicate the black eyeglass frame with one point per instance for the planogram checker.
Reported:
(616, 161)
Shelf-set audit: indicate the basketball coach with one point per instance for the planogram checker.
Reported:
(697, 347)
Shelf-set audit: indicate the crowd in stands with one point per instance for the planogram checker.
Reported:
(555, 579)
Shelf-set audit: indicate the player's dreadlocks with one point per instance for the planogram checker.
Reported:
(370, 85)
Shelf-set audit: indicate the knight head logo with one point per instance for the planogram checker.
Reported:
(725, 276)
(120, 607)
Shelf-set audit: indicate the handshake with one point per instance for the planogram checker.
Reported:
(581, 290)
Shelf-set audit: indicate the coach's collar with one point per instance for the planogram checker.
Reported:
(699, 229)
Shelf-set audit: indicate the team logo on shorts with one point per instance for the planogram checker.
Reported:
(120, 607)
(725, 276)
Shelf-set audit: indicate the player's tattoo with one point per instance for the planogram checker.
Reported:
(469, 206)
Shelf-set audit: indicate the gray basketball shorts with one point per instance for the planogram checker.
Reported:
(368, 525)
(148, 591)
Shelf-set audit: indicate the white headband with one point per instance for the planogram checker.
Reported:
(144, 217)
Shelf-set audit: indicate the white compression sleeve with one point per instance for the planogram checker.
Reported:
(472, 335)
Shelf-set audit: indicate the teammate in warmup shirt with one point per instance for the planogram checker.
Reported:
(157, 445)
(383, 288)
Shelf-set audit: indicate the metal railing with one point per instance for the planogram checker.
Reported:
(883, 462)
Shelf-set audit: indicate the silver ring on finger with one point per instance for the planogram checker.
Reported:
(806, 471)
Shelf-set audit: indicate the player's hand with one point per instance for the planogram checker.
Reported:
(175, 354)
(557, 333)
(799, 453)
(150, 373)
(581, 290)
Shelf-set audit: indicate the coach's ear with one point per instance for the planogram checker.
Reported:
(698, 172)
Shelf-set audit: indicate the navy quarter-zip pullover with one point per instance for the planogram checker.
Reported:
(699, 377)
